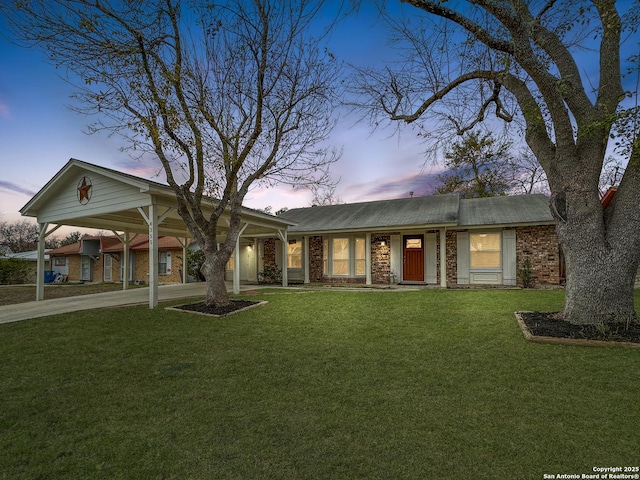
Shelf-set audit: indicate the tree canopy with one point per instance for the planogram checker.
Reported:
(563, 72)
(225, 95)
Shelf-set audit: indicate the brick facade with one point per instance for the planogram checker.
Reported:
(316, 267)
(451, 245)
(380, 258)
(539, 245)
(269, 252)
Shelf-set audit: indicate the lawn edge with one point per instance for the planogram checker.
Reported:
(568, 341)
(177, 308)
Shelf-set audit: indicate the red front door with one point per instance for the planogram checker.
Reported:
(413, 262)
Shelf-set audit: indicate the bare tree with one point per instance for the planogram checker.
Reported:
(528, 174)
(325, 195)
(226, 95)
(20, 236)
(519, 61)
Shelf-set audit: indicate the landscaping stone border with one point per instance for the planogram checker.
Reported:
(177, 308)
(568, 341)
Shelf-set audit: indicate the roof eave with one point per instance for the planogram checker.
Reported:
(392, 228)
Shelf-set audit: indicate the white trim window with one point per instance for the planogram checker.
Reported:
(294, 254)
(164, 262)
(361, 262)
(485, 251)
(344, 256)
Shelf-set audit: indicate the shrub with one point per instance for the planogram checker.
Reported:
(526, 274)
(271, 274)
(14, 271)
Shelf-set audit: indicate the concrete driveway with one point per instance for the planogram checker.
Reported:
(135, 296)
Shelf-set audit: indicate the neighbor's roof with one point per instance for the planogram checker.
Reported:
(30, 256)
(507, 210)
(400, 213)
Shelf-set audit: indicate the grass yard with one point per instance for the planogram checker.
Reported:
(429, 384)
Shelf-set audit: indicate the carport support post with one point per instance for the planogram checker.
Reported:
(42, 235)
(185, 264)
(125, 261)
(153, 256)
(41, 260)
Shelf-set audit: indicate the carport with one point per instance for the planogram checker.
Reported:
(90, 196)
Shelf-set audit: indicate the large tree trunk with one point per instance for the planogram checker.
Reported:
(601, 260)
(214, 268)
(216, 256)
(599, 285)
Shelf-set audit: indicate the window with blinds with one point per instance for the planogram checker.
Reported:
(485, 250)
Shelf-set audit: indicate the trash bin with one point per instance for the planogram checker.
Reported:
(49, 276)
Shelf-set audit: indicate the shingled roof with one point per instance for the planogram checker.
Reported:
(432, 211)
(402, 213)
(507, 210)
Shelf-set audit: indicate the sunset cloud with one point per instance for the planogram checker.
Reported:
(15, 188)
(421, 184)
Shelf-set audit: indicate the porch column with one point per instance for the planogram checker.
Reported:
(306, 254)
(236, 262)
(282, 234)
(443, 257)
(256, 254)
(42, 235)
(367, 258)
(236, 267)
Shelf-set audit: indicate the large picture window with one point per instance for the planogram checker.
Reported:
(344, 256)
(485, 250)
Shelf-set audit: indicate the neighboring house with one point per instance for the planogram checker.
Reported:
(100, 259)
(439, 240)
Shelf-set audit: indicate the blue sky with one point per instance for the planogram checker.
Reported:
(38, 134)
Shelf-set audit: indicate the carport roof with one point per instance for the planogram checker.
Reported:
(85, 195)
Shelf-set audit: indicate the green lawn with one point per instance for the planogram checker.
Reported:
(427, 384)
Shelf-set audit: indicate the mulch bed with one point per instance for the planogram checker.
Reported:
(202, 308)
(547, 325)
